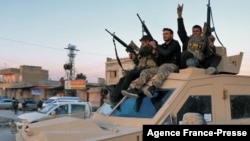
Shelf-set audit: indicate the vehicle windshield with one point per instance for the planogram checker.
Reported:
(48, 108)
(49, 100)
(68, 98)
(143, 107)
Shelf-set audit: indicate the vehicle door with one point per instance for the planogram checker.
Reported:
(31, 105)
(78, 110)
(237, 105)
(62, 110)
(59, 111)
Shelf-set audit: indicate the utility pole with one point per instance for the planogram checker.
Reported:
(70, 66)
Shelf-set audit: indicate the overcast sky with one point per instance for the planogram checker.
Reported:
(36, 32)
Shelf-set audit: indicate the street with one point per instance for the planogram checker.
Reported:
(5, 132)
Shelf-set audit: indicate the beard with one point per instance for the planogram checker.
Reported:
(167, 40)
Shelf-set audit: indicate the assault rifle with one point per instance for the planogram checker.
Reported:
(145, 29)
(208, 28)
(128, 48)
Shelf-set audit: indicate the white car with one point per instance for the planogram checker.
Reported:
(58, 109)
(60, 99)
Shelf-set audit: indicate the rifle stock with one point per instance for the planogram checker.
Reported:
(145, 28)
(128, 48)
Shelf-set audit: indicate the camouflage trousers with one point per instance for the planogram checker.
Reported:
(161, 73)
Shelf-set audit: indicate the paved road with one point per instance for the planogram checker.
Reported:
(9, 114)
(6, 135)
(5, 132)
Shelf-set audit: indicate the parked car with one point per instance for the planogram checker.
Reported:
(5, 103)
(60, 99)
(31, 105)
(3, 97)
(58, 109)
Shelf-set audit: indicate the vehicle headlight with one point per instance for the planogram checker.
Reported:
(20, 123)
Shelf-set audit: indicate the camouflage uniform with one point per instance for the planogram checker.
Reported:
(168, 59)
(147, 62)
(147, 59)
(161, 73)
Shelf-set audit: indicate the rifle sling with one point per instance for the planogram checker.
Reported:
(117, 57)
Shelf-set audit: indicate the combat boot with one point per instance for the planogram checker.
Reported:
(211, 70)
(133, 93)
(148, 90)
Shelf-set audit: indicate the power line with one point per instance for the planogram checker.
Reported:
(26, 43)
(49, 47)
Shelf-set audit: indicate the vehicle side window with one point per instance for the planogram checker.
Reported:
(196, 104)
(63, 109)
(75, 108)
(240, 106)
(7, 101)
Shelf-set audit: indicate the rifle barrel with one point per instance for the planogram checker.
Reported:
(128, 48)
(145, 27)
(139, 17)
(109, 32)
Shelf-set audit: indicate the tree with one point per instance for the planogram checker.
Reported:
(81, 76)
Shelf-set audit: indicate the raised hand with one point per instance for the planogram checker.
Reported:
(179, 10)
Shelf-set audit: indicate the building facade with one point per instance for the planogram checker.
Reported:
(27, 82)
(32, 82)
(114, 71)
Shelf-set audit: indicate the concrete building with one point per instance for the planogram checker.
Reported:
(114, 71)
(26, 82)
(32, 82)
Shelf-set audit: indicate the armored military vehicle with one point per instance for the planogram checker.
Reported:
(187, 97)
(219, 99)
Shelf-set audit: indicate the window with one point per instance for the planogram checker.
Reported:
(113, 74)
(76, 108)
(197, 104)
(240, 106)
(78, 111)
(63, 109)
(144, 107)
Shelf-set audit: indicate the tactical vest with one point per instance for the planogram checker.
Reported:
(147, 59)
(147, 62)
(196, 45)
